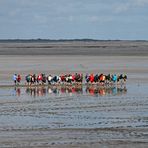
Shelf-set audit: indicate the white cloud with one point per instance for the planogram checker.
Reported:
(14, 12)
(99, 19)
(93, 18)
(129, 4)
(141, 2)
(122, 7)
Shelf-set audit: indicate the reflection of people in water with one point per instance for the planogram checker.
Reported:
(17, 91)
(36, 91)
(67, 89)
(55, 90)
(122, 90)
(42, 91)
(31, 91)
(92, 90)
(102, 91)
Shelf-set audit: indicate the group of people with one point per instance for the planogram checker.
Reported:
(76, 78)
(56, 79)
(105, 79)
(17, 79)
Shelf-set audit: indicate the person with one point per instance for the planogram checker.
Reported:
(15, 78)
(39, 78)
(91, 78)
(114, 78)
(87, 78)
(49, 79)
(28, 79)
(34, 78)
(102, 78)
(19, 78)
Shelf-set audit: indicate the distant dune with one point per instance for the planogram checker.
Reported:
(74, 47)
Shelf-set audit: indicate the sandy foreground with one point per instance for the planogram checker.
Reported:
(56, 58)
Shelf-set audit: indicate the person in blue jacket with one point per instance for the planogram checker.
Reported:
(114, 78)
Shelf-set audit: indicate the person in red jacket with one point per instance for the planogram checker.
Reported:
(18, 78)
(92, 78)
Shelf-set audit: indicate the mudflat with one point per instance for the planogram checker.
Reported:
(134, 66)
(72, 56)
(80, 118)
(91, 48)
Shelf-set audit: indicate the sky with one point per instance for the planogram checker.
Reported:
(74, 19)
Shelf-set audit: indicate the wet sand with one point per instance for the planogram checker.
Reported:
(79, 119)
(74, 117)
(135, 67)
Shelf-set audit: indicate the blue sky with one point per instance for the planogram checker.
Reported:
(69, 19)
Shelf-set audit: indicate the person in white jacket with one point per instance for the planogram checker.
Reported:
(15, 78)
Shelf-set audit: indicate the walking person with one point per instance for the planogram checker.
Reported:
(18, 78)
(15, 78)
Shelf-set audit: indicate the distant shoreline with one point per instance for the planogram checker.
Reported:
(65, 40)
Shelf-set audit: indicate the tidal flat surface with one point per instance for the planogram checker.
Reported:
(74, 116)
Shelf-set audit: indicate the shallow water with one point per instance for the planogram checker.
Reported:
(44, 116)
